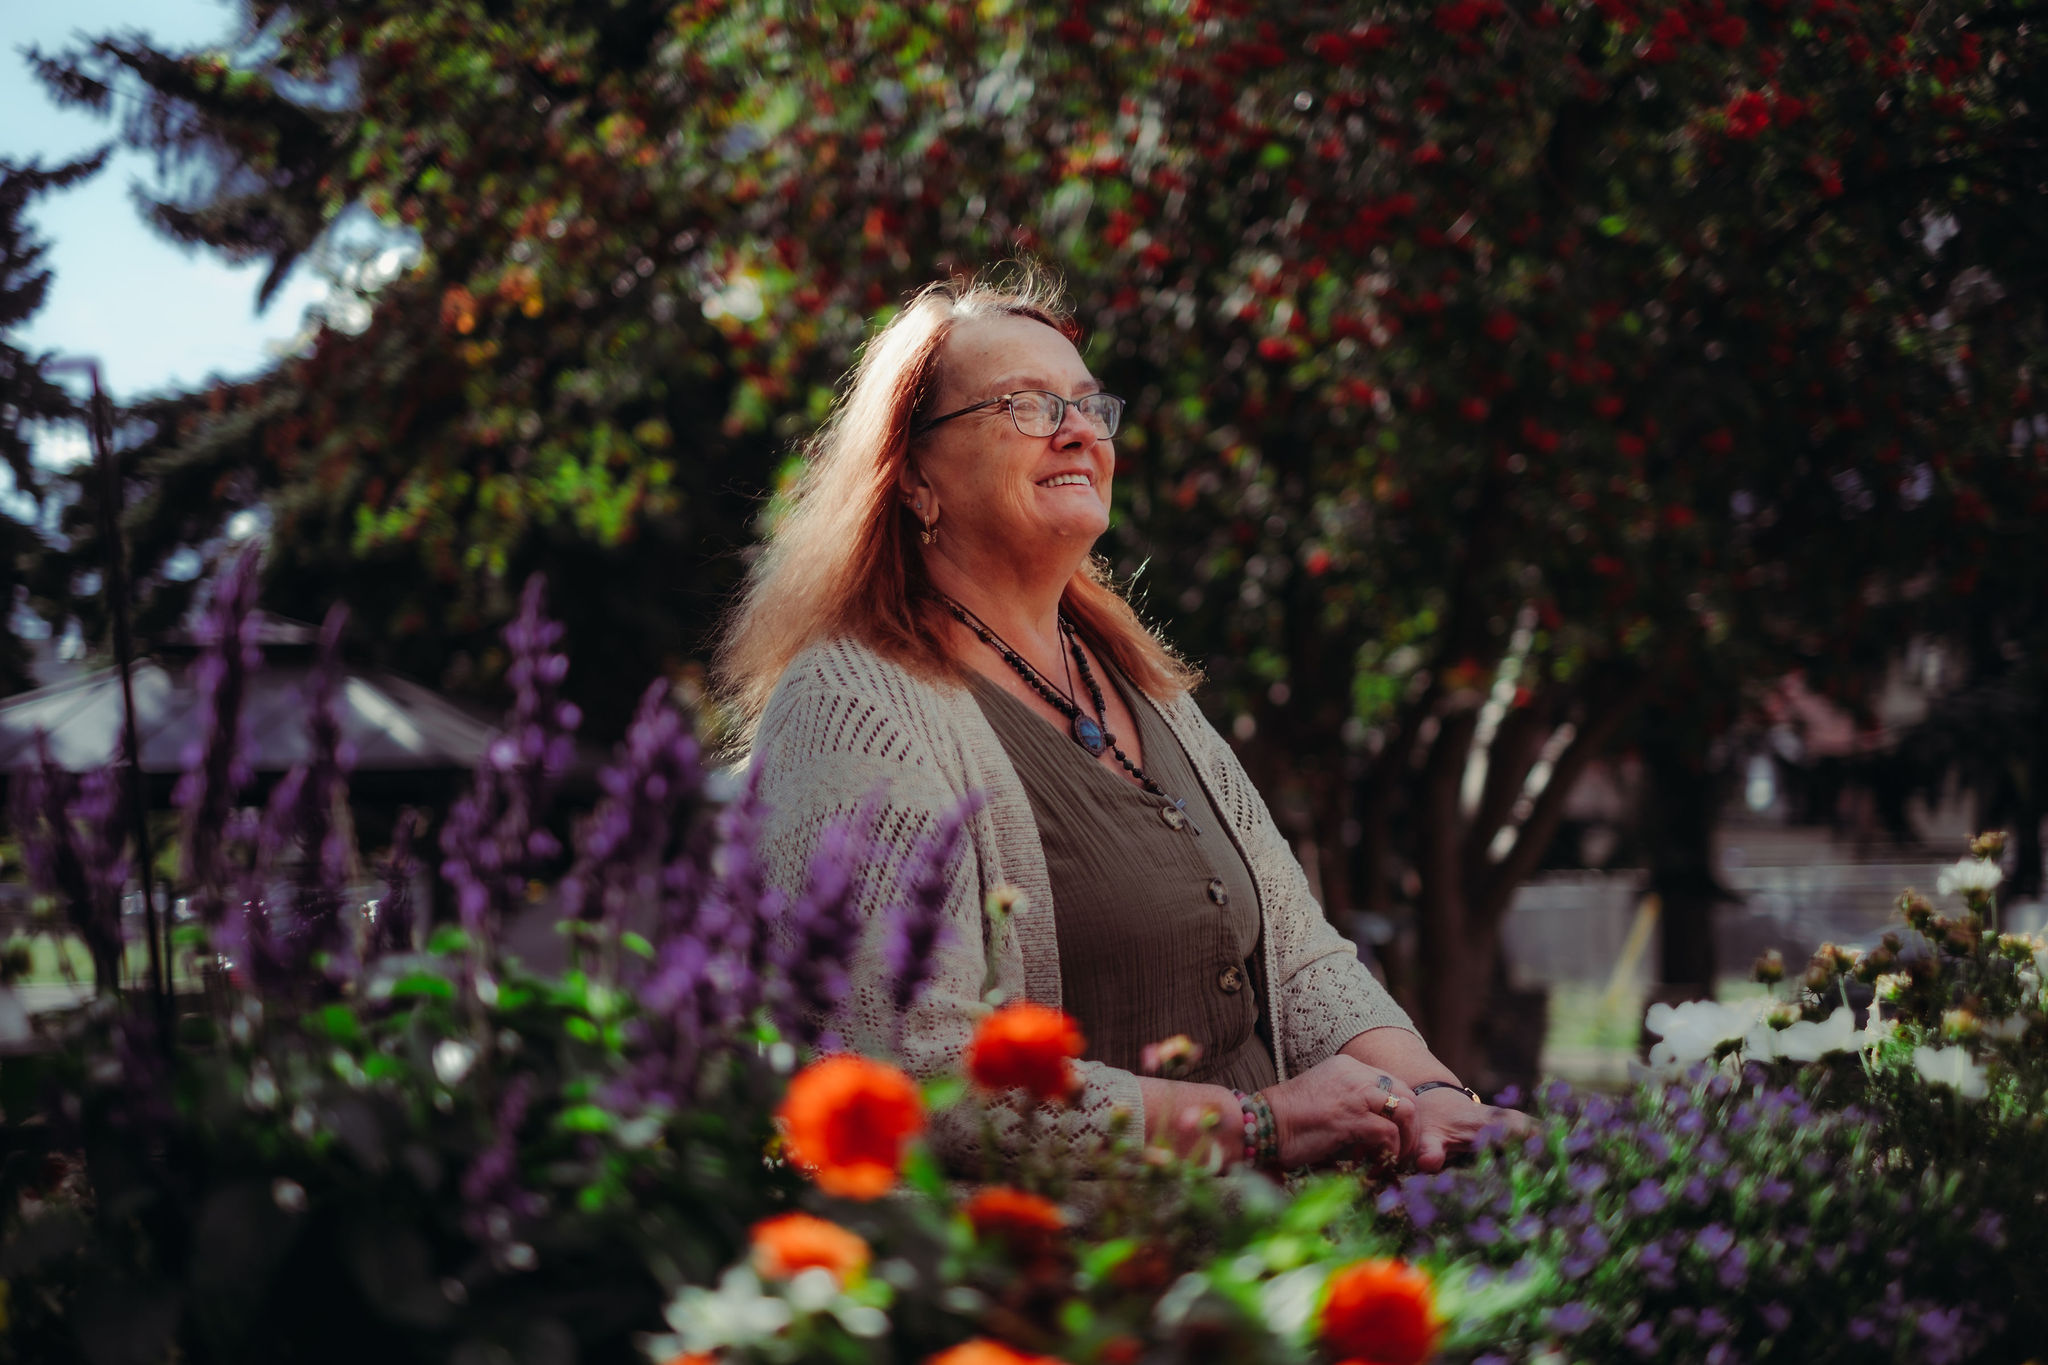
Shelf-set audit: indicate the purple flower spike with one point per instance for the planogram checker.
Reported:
(622, 846)
(496, 839)
(921, 918)
(820, 932)
(300, 824)
(391, 929)
(74, 847)
(216, 764)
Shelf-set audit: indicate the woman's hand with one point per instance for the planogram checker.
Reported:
(1342, 1110)
(1449, 1123)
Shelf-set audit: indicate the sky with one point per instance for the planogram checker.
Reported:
(155, 314)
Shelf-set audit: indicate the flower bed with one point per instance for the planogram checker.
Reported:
(358, 1144)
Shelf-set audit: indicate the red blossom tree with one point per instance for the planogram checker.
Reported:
(1497, 369)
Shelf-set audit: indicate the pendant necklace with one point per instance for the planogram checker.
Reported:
(1090, 732)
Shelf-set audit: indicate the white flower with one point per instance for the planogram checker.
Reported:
(1892, 985)
(1969, 876)
(1952, 1067)
(1804, 1041)
(736, 1313)
(452, 1060)
(1695, 1029)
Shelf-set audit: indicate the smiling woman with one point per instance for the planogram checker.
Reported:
(928, 638)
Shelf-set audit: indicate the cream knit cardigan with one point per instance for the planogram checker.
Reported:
(846, 729)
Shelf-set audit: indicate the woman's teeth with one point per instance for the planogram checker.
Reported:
(1062, 480)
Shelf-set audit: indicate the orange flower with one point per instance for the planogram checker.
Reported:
(792, 1242)
(1026, 1046)
(1379, 1312)
(845, 1120)
(1003, 1212)
(983, 1351)
(693, 1358)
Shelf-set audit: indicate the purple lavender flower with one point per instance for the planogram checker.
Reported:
(1697, 1192)
(1646, 1198)
(300, 821)
(1733, 1270)
(1773, 1190)
(216, 763)
(1777, 1317)
(1659, 1266)
(1948, 1339)
(921, 917)
(1571, 1318)
(491, 1192)
(819, 933)
(74, 847)
(391, 928)
(623, 847)
(1712, 1322)
(1714, 1241)
(496, 839)
(1990, 1230)
(1641, 1338)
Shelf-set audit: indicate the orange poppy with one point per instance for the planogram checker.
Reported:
(1002, 1212)
(845, 1120)
(793, 1242)
(983, 1351)
(1379, 1312)
(1027, 1046)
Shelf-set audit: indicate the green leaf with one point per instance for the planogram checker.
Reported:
(1613, 225)
(448, 939)
(1100, 1262)
(636, 945)
(337, 1022)
(423, 984)
(586, 1118)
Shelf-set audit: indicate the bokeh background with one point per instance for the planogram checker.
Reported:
(1592, 448)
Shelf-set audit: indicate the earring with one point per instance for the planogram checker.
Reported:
(930, 534)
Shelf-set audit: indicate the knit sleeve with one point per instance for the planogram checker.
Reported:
(1323, 996)
(834, 748)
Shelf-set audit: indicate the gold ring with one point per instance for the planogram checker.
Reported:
(1393, 1103)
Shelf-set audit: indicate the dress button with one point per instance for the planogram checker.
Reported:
(1231, 980)
(1173, 817)
(1216, 891)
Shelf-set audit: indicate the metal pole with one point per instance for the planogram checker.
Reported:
(101, 421)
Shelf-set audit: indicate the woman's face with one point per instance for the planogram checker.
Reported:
(998, 491)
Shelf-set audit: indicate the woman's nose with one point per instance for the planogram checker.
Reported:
(1075, 429)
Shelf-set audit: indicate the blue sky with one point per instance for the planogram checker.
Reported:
(155, 314)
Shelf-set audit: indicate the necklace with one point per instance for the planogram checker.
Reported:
(1090, 732)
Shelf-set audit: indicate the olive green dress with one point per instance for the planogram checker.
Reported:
(1157, 915)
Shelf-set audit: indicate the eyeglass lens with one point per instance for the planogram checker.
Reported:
(1038, 413)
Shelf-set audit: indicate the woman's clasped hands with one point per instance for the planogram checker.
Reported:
(1347, 1110)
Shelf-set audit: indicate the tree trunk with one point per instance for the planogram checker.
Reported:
(1681, 812)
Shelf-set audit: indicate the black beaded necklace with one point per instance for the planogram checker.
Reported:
(1090, 732)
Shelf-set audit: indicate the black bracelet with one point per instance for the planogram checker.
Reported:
(1469, 1092)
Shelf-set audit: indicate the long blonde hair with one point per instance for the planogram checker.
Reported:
(840, 564)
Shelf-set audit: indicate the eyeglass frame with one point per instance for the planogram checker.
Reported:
(1115, 425)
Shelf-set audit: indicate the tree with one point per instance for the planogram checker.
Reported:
(27, 394)
(1495, 368)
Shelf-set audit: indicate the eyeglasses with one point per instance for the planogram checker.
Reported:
(1038, 413)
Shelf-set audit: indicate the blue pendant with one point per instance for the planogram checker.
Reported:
(1088, 734)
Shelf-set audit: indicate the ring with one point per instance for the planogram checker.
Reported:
(1393, 1103)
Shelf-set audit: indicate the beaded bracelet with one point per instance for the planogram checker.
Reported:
(1261, 1133)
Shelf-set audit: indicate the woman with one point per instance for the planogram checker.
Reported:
(927, 622)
